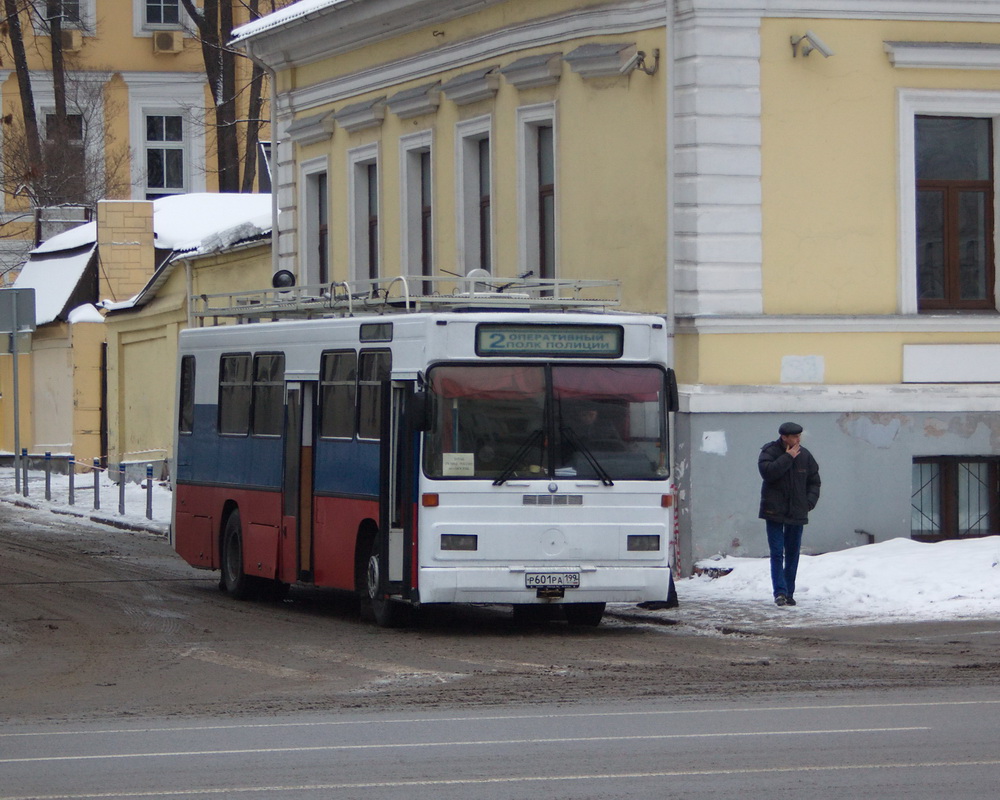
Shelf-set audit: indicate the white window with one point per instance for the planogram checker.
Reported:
(537, 195)
(474, 158)
(164, 152)
(314, 201)
(167, 140)
(149, 16)
(363, 194)
(417, 211)
(917, 245)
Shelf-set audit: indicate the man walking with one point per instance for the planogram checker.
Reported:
(789, 492)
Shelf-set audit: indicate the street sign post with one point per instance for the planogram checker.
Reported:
(17, 317)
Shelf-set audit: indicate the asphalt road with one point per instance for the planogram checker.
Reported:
(125, 673)
(913, 745)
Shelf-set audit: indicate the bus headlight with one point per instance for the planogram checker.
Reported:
(459, 541)
(644, 543)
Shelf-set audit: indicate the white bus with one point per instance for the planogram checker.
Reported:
(501, 445)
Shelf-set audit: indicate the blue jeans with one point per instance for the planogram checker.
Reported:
(784, 542)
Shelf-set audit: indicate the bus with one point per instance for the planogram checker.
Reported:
(480, 444)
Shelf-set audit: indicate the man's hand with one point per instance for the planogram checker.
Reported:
(794, 450)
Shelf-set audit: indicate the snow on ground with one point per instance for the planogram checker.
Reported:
(135, 499)
(899, 580)
(893, 581)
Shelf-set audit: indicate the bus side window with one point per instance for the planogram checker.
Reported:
(185, 417)
(268, 401)
(234, 394)
(338, 391)
(375, 366)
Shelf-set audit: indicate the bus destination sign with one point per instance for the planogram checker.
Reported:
(560, 341)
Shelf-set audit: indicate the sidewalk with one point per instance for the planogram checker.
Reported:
(133, 519)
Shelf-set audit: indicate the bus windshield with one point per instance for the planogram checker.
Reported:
(503, 421)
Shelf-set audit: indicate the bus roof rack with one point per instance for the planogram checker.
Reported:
(404, 294)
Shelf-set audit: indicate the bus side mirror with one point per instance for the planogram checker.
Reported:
(673, 403)
(419, 411)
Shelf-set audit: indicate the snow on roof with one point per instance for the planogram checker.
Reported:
(296, 10)
(190, 223)
(180, 221)
(54, 279)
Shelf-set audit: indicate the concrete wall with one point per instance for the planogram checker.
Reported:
(865, 462)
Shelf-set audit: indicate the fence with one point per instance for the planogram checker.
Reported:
(21, 482)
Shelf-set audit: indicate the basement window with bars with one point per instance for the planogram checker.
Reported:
(955, 497)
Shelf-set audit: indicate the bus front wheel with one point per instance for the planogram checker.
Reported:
(235, 581)
(386, 613)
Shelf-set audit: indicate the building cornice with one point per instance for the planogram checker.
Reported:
(893, 398)
(612, 20)
(917, 10)
(805, 323)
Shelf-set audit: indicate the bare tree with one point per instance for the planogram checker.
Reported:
(236, 139)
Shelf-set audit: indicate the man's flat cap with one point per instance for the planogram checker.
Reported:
(789, 429)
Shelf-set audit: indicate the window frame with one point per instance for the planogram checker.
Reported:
(473, 252)
(315, 236)
(187, 382)
(366, 426)
(942, 103)
(530, 189)
(352, 386)
(276, 423)
(239, 390)
(365, 242)
(951, 191)
(948, 494)
(187, 91)
(417, 215)
(166, 146)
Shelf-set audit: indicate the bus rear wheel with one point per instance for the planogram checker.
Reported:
(386, 613)
(584, 614)
(235, 582)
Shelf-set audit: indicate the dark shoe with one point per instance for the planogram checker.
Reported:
(780, 600)
(790, 601)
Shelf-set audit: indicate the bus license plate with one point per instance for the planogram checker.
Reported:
(567, 580)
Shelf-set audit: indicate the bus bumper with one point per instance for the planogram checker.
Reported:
(508, 585)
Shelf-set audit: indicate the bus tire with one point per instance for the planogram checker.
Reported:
(235, 582)
(385, 612)
(584, 614)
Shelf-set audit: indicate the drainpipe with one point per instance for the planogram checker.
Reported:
(273, 111)
(671, 61)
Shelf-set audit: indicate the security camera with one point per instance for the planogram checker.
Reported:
(813, 42)
(632, 62)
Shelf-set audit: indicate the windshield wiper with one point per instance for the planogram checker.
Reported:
(515, 460)
(578, 443)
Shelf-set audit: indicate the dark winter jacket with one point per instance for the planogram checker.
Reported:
(791, 485)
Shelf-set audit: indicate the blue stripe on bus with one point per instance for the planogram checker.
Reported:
(205, 457)
(346, 467)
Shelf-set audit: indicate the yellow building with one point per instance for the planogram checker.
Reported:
(139, 109)
(804, 189)
(101, 383)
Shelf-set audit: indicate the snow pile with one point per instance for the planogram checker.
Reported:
(897, 580)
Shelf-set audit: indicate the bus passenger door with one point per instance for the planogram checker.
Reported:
(398, 479)
(297, 483)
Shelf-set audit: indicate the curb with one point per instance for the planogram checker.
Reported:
(156, 529)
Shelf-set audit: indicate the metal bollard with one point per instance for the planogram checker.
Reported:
(149, 491)
(72, 477)
(97, 484)
(48, 475)
(121, 489)
(24, 470)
